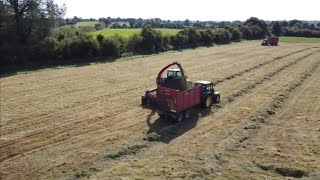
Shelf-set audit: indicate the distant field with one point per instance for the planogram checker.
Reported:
(126, 33)
(299, 40)
(121, 23)
(86, 23)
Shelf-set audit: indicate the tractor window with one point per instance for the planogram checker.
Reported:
(171, 74)
(178, 74)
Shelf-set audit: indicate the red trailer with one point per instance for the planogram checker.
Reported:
(272, 41)
(175, 95)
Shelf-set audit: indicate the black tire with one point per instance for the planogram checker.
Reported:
(217, 99)
(144, 101)
(162, 116)
(180, 117)
(207, 102)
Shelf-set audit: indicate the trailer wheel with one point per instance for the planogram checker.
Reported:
(180, 117)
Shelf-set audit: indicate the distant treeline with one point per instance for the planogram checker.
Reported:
(71, 44)
(30, 35)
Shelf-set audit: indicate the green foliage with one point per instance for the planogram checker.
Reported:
(235, 32)
(151, 40)
(193, 37)
(179, 41)
(24, 24)
(134, 44)
(47, 49)
(222, 36)
(276, 29)
(256, 32)
(258, 27)
(110, 48)
(84, 47)
(246, 32)
(293, 22)
(100, 39)
(207, 37)
(301, 33)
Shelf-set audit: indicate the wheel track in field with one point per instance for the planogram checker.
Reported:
(249, 128)
(144, 145)
(249, 87)
(53, 136)
(94, 99)
(89, 85)
(219, 81)
(258, 66)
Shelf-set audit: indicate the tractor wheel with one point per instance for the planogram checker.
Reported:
(180, 117)
(144, 101)
(207, 102)
(217, 99)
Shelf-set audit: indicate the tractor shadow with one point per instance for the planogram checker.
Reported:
(166, 130)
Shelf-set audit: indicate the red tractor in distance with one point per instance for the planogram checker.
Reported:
(175, 95)
(272, 41)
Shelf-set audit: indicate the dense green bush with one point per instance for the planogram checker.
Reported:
(134, 44)
(110, 48)
(179, 41)
(84, 47)
(193, 37)
(47, 49)
(152, 40)
(301, 32)
(207, 37)
(235, 33)
(222, 36)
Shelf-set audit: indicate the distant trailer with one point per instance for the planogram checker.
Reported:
(272, 41)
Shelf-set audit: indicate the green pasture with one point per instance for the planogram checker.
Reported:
(126, 33)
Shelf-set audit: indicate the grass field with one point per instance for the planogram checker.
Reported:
(86, 23)
(87, 122)
(299, 40)
(129, 32)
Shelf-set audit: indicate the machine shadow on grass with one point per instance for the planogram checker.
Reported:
(166, 130)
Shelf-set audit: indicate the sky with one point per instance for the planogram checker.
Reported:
(203, 10)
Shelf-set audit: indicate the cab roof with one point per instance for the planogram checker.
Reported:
(174, 69)
(203, 82)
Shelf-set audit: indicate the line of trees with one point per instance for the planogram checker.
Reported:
(23, 25)
(71, 44)
(295, 28)
(30, 35)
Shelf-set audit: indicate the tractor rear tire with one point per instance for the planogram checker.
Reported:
(207, 102)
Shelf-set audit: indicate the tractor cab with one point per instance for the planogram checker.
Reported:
(208, 91)
(173, 80)
(206, 85)
(174, 73)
